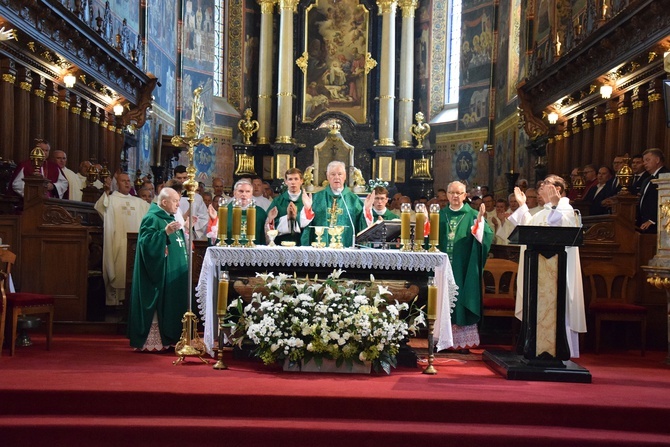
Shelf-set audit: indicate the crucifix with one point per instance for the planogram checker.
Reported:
(180, 241)
(334, 212)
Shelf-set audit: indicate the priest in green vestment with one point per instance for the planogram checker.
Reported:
(160, 295)
(334, 205)
(466, 238)
(284, 211)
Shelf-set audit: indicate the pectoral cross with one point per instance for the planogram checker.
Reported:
(334, 212)
(128, 209)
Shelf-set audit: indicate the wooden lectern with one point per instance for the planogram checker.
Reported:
(543, 352)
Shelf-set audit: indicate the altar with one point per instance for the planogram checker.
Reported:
(380, 263)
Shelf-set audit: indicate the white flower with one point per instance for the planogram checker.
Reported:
(362, 357)
(265, 276)
(336, 274)
(383, 290)
(372, 277)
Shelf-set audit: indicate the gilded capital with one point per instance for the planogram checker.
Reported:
(288, 4)
(386, 6)
(267, 6)
(408, 7)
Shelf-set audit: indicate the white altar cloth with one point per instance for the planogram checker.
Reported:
(266, 257)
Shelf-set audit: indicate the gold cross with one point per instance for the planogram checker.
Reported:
(334, 211)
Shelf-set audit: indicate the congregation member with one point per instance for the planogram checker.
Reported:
(217, 188)
(532, 200)
(617, 164)
(146, 194)
(590, 178)
(466, 238)
(284, 211)
(200, 215)
(603, 190)
(57, 183)
(159, 295)
(647, 208)
(557, 212)
(121, 214)
(74, 184)
(259, 197)
(574, 193)
(639, 173)
(337, 198)
(207, 198)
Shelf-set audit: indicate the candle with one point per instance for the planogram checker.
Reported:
(432, 301)
(419, 227)
(223, 222)
(434, 227)
(251, 223)
(237, 220)
(222, 301)
(404, 226)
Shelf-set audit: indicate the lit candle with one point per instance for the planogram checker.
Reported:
(222, 301)
(434, 227)
(237, 220)
(419, 227)
(251, 222)
(223, 222)
(432, 301)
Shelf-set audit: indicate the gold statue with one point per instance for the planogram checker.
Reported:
(308, 178)
(247, 126)
(420, 130)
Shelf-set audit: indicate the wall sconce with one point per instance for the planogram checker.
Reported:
(606, 91)
(69, 80)
(552, 117)
(118, 109)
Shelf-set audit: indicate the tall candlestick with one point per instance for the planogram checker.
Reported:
(223, 222)
(237, 221)
(419, 227)
(222, 299)
(432, 301)
(434, 227)
(251, 222)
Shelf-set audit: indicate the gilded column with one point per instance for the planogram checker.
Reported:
(22, 110)
(587, 139)
(611, 133)
(387, 10)
(285, 75)
(265, 72)
(50, 113)
(84, 137)
(656, 123)
(625, 118)
(94, 135)
(37, 100)
(576, 145)
(406, 88)
(74, 143)
(597, 148)
(639, 121)
(7, 82)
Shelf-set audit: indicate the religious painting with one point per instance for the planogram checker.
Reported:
(198, 35)
(476, 45)
(473, 107)
(400, 171)
(336, 45)
(162, 24)
(164, 68)
(464, 165)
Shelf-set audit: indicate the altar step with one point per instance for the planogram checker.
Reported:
(203, 431)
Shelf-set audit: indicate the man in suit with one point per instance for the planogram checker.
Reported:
(647, 210)
(603, 189)
(617, 164)
(639, 174)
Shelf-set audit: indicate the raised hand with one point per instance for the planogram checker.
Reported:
(520, 196)
(272, 214)
(482, 211)
(306, 200)
(211, 211)
(369, 200)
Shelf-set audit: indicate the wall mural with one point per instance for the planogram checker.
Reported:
(514, 49)
(336, 44)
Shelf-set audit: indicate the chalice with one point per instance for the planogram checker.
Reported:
(318, 231)
(332, 235)
(339, 231)
(272, 234)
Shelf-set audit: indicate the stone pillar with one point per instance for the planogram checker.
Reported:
(285, 80)
(265, 71)
(387, 9)
(405, 105)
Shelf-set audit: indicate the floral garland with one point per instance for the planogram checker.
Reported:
(346, 321)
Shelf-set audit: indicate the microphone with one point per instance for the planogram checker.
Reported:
(353, 228)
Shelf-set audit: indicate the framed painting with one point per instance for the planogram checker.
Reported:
(334, 59)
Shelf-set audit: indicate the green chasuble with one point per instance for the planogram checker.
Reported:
(467, 258)
(160, 280)
(322, 205)
(260, 223)
(281, 203)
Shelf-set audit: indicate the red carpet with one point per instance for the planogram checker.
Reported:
(93, 390)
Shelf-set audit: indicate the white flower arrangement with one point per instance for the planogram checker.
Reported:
(302, 320)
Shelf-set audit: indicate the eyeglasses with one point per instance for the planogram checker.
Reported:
(454, 193)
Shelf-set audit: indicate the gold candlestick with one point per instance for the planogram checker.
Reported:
(432, 315)
(251, 225)
(419, 227)
(430, 369)
(237, 224)
(405, 227)
(223, 223)
(221, 310)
